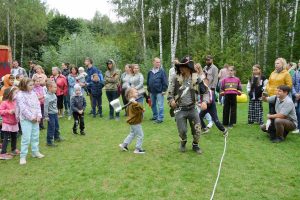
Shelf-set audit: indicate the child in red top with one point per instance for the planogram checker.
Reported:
(10, 125)
(40, 92)
(230, 88)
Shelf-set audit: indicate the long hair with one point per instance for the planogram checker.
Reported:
(255, 81)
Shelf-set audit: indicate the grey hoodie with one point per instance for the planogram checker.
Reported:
(112, 78)
(50, 106)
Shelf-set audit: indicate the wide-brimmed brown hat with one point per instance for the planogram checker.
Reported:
(186, 61)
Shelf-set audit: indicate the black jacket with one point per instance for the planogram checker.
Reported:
(95, 88)
(78, 103)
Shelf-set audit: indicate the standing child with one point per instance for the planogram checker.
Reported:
(134, 118)
(28, 111)
(10, 125)
(51, 114)
(230, 88)
(255, 89)
(40, 92)
(78, 105)
(96, 91)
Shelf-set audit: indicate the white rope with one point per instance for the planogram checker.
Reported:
(220, 167)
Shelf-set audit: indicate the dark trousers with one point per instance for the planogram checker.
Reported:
(212, 110)
(78, 119)
(229, 111)
(13, 138)
(53, 128)
(125, 101)
(112, 95)
(67, 102)
(97, 101)
(42, 121)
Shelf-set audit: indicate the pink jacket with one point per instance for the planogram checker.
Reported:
(62, 85)
(40, 92)
(8, 118)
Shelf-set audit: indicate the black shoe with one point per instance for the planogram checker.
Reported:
(182, 146)
(157, 121)
(197, 149)
(225, 132)
(59, 139)
(277, 140)
(153, 119)
(82, 133)
(51, 145)
(75, 131)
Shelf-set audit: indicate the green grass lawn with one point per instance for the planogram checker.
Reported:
(92, 166)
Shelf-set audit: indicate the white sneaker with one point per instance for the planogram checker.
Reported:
(296, 131)
(209, 125)
(139, 151)
(22, 161)
(123, 148)
(38, 155)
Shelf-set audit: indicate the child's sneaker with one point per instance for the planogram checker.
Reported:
(38, 155)
(5, 156)
(197, 149)
(139, 151)
(123, 148)
(22, 161)
(210, 125)
(82, 133)
(15, 152)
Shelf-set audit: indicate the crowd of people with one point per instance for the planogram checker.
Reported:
(30, 99)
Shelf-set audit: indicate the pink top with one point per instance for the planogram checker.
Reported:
(62, 85)
(28, 106)
(9, 121)
(40, 92)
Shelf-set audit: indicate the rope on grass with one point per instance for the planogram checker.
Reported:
(220, 167)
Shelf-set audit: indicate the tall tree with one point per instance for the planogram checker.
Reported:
(143, 29)
(208, 4)
(160, 33)
(266, 36)
(174, 33)
(294, 27)
(222, 27)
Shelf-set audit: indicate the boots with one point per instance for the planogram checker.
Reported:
(197, 149)
(182, 146)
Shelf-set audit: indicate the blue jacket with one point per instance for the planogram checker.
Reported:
(96, 88)
(157, 83)
(90, 72)
(296, 82)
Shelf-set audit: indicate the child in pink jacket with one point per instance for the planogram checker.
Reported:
(10, 125)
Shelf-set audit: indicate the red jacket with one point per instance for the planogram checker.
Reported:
(62, 85)
(8, 118)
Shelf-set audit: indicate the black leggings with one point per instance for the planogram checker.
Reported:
(13, 138)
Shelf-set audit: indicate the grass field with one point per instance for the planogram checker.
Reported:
(92, 166)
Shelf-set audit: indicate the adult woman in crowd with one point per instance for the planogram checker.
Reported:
(280, 76)
(72, 79)
(62, 89)
(137, 81)
(40, 74)
(112, 80)
(125, 77)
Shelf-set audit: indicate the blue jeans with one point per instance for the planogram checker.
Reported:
(157, 99)
(298, 114)
(112, 95)
(53, 128)
(30, 135)
(97, 101)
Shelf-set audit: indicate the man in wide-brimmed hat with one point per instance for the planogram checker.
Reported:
(183, 92)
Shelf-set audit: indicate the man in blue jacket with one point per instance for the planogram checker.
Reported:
(88, 62)
(157, 85)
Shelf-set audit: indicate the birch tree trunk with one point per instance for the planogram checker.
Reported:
(294, 26)
(160, 34)
(8, 26)
(143, 29)
(174, 33)
(258, 35)
(277, 26)
(14, 41)
(22, 49)
(266, 33)
(208, 24)
(226, 19)
(222, 27)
